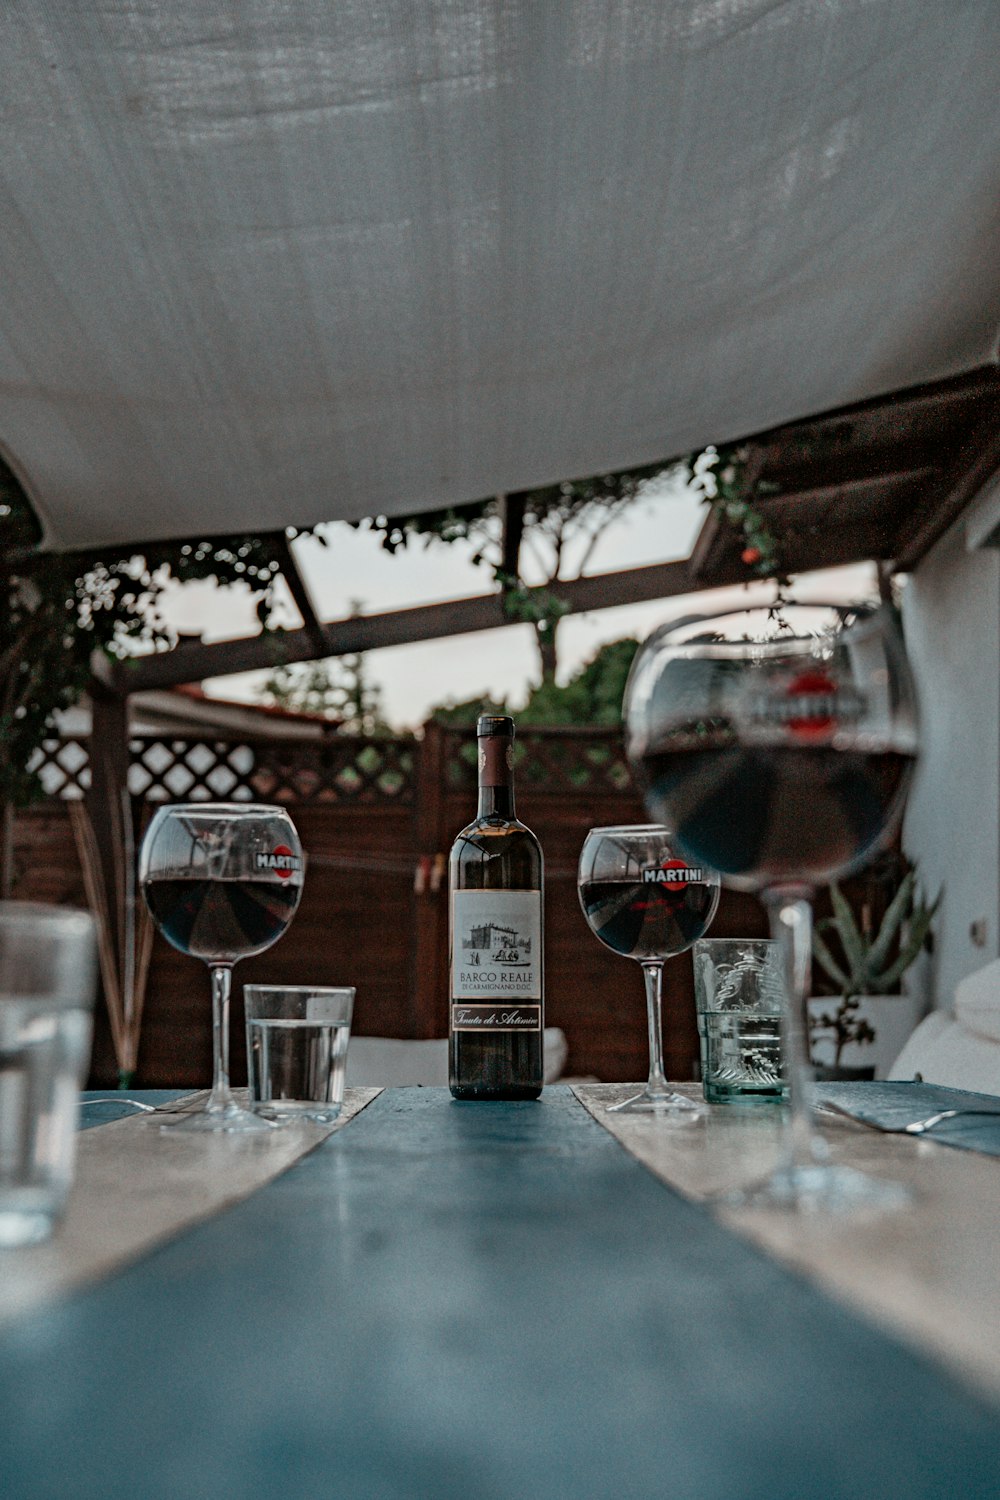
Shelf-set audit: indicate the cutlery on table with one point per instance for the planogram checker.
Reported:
(914, 1127)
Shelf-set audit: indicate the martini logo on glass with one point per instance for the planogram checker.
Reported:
(279, 861)
(810, 706)
(674, 875)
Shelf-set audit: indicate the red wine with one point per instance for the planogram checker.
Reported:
(646, 921)
(766, 816)
(221, 921)
(495, 879)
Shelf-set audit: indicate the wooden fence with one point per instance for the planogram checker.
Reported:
(376, 818)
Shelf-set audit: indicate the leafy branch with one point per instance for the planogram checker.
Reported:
(723, 476)
(562, 525)
(60, 609)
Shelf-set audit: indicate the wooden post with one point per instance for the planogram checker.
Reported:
(110, 818)
(429, 1004)
(6, 851)
(107, 800)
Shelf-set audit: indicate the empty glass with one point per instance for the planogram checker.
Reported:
(48, 970)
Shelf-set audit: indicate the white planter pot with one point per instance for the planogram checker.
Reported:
(892, 1018)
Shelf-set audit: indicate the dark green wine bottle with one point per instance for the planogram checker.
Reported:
(495, 886)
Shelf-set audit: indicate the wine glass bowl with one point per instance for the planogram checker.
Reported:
(645, 902)
(222, 882)
(779, 741)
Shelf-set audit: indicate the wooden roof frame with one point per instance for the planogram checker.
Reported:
(880, 480)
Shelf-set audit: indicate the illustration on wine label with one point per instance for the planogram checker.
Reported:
(496, 945)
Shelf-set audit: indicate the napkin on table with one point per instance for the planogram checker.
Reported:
(898, 1104)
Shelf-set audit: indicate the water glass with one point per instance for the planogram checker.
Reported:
(297, 1036)
(48, 969)
(739, 997)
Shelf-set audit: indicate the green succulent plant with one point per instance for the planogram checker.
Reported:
(872, 964)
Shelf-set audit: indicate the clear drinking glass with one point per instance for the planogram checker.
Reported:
(297, 1037)
(780, 742)
(48, 972)
(222, 881)
(642, 900)
(739, 995)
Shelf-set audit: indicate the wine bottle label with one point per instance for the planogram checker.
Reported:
(496, 957)
(496, 1017)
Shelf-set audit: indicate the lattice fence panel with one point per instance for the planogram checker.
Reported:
(572, 761)
(167, 769)
(343, 768)
(63, 767)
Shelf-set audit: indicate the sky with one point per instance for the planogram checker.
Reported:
(354, 572)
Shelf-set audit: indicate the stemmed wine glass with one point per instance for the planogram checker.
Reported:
(780, 741)
(646, 903)
(222, 881)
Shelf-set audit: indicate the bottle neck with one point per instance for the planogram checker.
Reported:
(496, 777)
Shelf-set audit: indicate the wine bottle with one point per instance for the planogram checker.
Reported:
(495, 884)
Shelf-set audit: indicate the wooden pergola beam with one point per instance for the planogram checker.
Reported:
(944, 503)
(513, 530)
(932, 401)
(193, 663)
(297, 586)
(714, 562)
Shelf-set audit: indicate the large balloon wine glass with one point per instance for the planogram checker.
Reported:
(645, 903)
(779, 743)
(222, 881)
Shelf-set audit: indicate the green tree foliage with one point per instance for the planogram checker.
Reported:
(722, 478)
(337, 688)
(59, 609)
(562, 526)
(592, 696)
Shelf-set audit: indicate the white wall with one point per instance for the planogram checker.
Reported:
(951, 615)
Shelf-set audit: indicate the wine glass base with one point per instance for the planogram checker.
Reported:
(232, 1120)
(817, 1187)
(674, 1107)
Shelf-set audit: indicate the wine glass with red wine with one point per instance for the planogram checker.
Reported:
(644, 901)
(222, 881)
(780, 742)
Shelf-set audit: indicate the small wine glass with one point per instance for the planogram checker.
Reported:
(222, 881)
(780, 741)
(642, 900)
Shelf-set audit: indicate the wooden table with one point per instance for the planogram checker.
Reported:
(488, 1301)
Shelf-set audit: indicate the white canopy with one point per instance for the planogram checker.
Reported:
(270, 263)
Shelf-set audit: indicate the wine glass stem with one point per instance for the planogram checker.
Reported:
(790, 911)
(652, 973)
(220, 1097)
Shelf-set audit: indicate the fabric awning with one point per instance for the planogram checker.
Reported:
(273, 264)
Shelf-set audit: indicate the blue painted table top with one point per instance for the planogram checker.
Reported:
(474, 1302)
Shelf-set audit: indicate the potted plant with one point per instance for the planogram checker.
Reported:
(867, 967)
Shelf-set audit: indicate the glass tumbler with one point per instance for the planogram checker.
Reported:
(739, 997)
(48, 971)
(297, 1036)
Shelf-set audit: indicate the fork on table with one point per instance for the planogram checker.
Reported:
(914, 1127)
